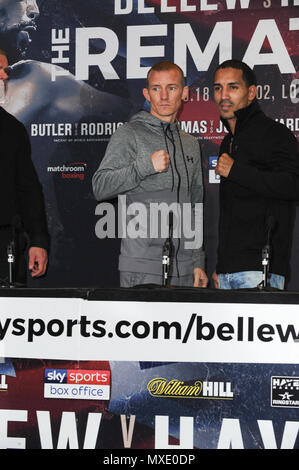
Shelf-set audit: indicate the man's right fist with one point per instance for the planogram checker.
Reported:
(160, 161)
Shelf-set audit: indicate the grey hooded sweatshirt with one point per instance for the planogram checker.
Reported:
(147, 197)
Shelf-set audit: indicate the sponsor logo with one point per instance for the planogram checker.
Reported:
(77, 384)
(174, 388)
(69, 171)
(213, 178)
(285, 392)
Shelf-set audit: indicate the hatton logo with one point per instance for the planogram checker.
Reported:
(160, 387)
(77, 384)
(285, 392)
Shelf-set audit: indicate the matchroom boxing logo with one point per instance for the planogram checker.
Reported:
(77, 384)
(70, 171)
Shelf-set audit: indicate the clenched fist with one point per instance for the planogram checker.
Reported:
(160, 161)
(224, 164)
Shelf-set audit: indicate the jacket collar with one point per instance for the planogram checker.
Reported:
(243, 115)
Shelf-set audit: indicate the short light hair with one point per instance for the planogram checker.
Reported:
(164, 66)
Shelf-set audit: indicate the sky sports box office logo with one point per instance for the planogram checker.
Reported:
(213, 178)
(77, 384)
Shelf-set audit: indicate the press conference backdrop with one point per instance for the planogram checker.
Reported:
(82, 75)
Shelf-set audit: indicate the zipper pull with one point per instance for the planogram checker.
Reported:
(231, 146)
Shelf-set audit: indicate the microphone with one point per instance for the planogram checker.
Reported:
(266, 250)
(10, 260)
(167, 252)
(12, 247)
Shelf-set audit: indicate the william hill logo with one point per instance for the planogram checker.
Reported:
(160, 387)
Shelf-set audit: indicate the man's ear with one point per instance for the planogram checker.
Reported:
(252, 92)
(185, 93)
(146, 94)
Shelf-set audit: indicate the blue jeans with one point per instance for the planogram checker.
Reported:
(248, 280)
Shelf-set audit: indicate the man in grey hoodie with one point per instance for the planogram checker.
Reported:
(155, 170)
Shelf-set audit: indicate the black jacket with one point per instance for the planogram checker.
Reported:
(20, 191)
(263, 182)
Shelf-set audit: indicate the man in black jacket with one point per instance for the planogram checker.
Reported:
(22, 207)
(259, 169)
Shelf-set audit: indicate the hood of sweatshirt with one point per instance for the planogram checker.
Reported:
(153, 122)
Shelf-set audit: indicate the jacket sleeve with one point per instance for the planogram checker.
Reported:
(29, 194)
(197, 195)
(120, 170)
(281, 180)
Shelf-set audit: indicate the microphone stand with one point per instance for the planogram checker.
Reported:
(10, 260)
(265, 264)
(167, 253)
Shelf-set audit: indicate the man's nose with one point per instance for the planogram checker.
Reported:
(32, 10)
(164, 94)
(224, 93)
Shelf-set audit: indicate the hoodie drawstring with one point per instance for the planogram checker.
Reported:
(167, 149)
(168, 135)
(184, 158)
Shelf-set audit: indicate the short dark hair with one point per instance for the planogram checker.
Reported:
(248, 74)
(165, 65)
(2, 52)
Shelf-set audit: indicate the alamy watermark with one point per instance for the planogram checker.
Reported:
(152, 220)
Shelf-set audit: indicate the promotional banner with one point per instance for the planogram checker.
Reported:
(80, 374)
(50, 404)
(78, 329)
(77, 73)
